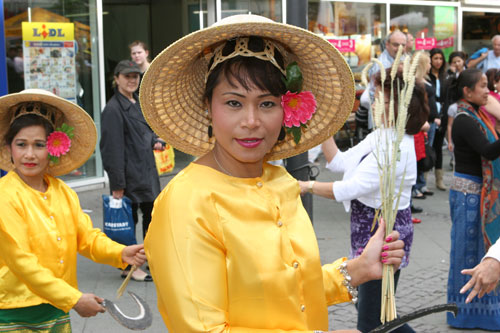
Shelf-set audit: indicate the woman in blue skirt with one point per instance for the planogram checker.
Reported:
(473, 200)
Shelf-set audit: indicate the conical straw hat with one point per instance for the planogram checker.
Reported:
(172, 89)
(85, 134)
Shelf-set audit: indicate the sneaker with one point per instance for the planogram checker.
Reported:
(416, 221)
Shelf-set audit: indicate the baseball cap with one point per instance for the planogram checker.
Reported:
(126, 67)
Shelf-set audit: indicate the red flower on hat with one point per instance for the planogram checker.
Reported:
(298, 108)
(58, 143)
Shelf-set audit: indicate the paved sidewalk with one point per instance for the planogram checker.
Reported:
(422, 283)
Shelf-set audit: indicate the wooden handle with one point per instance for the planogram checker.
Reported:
(122, 288)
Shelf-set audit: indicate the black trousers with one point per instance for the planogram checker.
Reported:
(146, 209)
(369, 304)
(438, 147)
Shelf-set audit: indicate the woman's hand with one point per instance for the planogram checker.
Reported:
(379, 250)
(304, 187)
(89, 305)
(118, 194)
(134, 255)
(158, 146)
(484, 278)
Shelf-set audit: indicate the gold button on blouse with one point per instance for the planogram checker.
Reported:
(302, 308)
(259, 184)
(280, 224)
(295, 264)
(45, 197)
(51, 217)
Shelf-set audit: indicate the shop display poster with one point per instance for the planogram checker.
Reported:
(49, 58)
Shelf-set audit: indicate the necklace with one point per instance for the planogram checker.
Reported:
(220, 166)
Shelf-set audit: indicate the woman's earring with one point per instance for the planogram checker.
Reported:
(210, 131)
(282, 134)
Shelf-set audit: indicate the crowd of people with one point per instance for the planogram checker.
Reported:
(236, 101)
(463, 104)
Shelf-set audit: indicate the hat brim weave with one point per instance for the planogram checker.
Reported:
(172, 89)
(83, 142)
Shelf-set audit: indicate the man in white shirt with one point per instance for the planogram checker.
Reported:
(490, 59)
(485, 276)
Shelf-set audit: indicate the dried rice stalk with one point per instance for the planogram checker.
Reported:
(364, 74)
(388, 153)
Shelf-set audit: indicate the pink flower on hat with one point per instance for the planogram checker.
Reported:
(298, 108)
(58, 143)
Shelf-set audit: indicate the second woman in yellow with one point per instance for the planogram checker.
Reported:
(42, 226)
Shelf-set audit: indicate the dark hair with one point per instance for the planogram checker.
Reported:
(248, 71)
(138, 43)
(493, 75)
(27, 121)
(468, 78)
(432, 53)
(457, 54)
(418, 108)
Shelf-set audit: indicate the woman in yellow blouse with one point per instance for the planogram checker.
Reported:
(230, 245)
(42, 226)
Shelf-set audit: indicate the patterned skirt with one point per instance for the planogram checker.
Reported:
(467, 250)
(361, 229)
(43, 318)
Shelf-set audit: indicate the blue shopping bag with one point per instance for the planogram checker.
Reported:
(117, 219)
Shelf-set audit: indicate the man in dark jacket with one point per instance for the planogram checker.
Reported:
(127, 144)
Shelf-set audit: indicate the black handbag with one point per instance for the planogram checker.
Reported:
(428, 162)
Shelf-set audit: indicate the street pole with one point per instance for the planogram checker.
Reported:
(298, 166)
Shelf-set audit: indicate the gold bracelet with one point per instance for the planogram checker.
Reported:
(347, 282)
(311, 184)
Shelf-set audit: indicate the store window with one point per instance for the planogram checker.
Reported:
(431, 26)
(267, 8)
(197, 15)
(68, 68)
(361, 26)
(479, 28)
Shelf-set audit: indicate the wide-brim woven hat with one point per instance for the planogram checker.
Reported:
(83, 142)
(172, 89)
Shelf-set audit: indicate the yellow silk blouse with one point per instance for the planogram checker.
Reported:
(40, 235)
(238, 255)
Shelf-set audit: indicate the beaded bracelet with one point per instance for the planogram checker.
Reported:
(347, 282)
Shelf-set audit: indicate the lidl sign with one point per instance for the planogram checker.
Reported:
(48, 31)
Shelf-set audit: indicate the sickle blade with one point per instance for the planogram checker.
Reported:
(398, 322)
(140, 322)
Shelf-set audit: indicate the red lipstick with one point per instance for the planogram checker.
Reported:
(249, 142)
